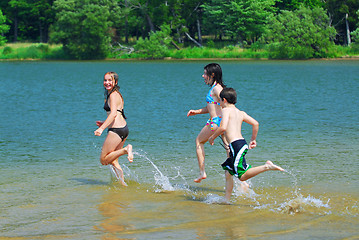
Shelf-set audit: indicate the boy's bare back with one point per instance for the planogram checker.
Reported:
(233, 119)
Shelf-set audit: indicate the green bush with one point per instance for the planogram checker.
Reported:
(210, 44)
(32, 52)
(82, 27)
(301, 34)
(156, 46)
(355, 48)
(4, 28)
(230, 47)
(7, 50)
(57, 53)
(44, 48)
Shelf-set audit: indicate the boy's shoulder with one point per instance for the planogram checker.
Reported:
(235, 111)
(232, 109)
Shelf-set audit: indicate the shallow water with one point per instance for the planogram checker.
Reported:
(53, 186)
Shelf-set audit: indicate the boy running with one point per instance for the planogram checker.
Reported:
(231, 126)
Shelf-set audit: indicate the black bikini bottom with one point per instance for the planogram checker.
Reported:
(121, 132)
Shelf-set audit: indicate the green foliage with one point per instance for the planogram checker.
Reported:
(242, 20)
(210, 44)
(7, 50)
(302, 34)
(230, 52)
(355, 48)
(33, 51)
(29, 19)
(3, 29)
(337, 10)
(339, 51)
(56, 53)
(156, 46)
(355, 34)
(355, 37)
(83, 28)
(292, 5)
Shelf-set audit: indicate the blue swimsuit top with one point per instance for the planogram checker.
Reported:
(209, 97)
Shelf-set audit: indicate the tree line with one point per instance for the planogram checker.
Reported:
(90, 29)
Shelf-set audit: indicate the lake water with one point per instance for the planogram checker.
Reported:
(53, 186)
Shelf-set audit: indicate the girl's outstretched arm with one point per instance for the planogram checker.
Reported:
(198, 111)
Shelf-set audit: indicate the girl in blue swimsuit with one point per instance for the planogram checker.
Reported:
(118, 131)
(212, 76)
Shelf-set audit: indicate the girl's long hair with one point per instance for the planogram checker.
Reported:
(215, 68)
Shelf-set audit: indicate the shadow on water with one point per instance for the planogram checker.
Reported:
(85, 181)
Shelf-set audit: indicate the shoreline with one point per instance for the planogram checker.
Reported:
(187, 59)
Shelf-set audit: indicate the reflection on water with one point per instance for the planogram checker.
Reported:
(182, 211)
(172, 215)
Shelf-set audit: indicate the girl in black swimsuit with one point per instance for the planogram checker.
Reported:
(123, 131)
(118, 131)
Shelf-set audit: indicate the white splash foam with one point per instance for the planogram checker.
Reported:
(214, 199)
(302, 204)
(161, 180)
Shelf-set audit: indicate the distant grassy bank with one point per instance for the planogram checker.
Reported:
(43, 51)
(28, 51)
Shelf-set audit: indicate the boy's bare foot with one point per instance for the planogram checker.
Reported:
(271, 166)
(200, 178)
(129, 153)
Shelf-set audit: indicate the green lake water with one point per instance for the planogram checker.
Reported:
(53, 187)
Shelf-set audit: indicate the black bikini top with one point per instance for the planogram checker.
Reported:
(108, 109)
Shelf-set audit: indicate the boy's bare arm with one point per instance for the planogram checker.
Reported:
(219, 131)
(255, 127)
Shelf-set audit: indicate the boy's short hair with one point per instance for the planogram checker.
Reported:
(229, 94)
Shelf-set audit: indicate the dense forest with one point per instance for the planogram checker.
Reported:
(89, 29)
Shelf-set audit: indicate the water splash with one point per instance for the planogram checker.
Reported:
(115, 174)
(129, 174)
(295, 182)
(300, 203)
(214, 199)
(303, 204)
(160, 180)
(243, 189)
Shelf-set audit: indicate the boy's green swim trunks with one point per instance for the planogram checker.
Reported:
(236, 163)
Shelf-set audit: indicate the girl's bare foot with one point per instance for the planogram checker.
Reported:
(119, 175)
(270, 166)
(201, 177)
(123, 182)
(129, 153)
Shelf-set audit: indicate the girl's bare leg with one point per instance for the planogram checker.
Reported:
(257, 170)
(201, 139)
(112, 149)
(119, 172)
